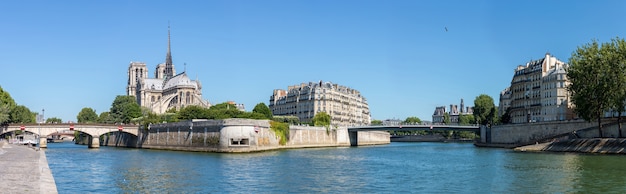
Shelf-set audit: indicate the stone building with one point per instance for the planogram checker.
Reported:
(538, 92)
(505, 101)
(167, 90)
(438, 115)
(454, 113)
(346, 106)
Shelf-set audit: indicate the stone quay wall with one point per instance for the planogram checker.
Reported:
(529, 133)
(236, 135)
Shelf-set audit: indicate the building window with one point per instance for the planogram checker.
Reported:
(187, 100)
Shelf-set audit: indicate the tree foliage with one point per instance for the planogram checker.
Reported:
(4, 113)
(506, 117)
(466, 119)
(412, 120)
(446, 118)
(7, 104)
(485, 111)
(598, 80)
(54, 120)
(376, 122)
(286, 119)
(220, 111)
(124, 109)
(321, 119)
(87, 115)
(193, 112)
(261, 108)
(105, 117)
(21, 114)
(281, 130)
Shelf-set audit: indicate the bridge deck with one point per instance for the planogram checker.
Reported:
(473, 128)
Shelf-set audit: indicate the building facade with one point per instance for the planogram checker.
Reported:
(505, 101)
(167, 90)
(454, 113)
(346, 106)
(538, 92)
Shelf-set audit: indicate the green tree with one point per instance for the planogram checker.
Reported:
(615, 56)
(446, 118)
(223, 106)
(7, 104)
(591, 77)
(21, 114)
(54, 120)
(105, 117)
(193, 112)
(87, 115)
(506, 117)
(150, 118)
(466, 119)
(376, 122)
(124, 108)
(286, 119)
(321, 119)
(169, 117)
(263, 109)
(4, 113)
(412, 120)
(223, 111)
(484, 110)
(281, 130)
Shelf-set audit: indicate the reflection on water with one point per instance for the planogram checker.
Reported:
(398, 167)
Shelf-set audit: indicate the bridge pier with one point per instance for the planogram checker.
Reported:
(43, 142)
(94, 142)
(353, 135)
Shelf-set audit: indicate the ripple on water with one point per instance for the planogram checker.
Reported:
(393, 168)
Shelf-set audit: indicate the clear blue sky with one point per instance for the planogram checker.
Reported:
(66, 55)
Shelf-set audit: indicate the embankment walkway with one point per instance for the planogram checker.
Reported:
(24, 170)
(591, 145)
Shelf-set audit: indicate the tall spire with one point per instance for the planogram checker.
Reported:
(169, 67)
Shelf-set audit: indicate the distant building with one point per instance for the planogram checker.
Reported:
(454, 113)
(505, 101)
(346, 106)
(438, 116)
(392, 122)
(167, 90)
(538, 92)
(240, 107)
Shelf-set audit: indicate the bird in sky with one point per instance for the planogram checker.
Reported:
(446, 28)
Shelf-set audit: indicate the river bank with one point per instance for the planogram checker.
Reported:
(24, 170)
(591, 145)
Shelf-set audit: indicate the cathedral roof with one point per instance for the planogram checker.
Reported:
(180, 80)
(154, 84)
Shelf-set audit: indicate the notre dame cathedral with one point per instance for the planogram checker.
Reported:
(167, 90)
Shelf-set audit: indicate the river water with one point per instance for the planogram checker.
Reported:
(392, 168)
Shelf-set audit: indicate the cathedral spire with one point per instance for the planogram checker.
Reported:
(169, 67)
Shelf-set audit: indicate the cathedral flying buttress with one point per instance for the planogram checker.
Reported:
(167, 90)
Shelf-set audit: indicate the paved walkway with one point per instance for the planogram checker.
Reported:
(24, 170)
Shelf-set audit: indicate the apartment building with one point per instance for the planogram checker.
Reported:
(346, 106)
(538, 92)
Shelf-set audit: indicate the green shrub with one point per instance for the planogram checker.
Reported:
(281, 130)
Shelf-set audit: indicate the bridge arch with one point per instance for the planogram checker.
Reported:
(93, 130)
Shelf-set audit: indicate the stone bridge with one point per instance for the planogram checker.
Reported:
(93, 130)
(472, 128)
